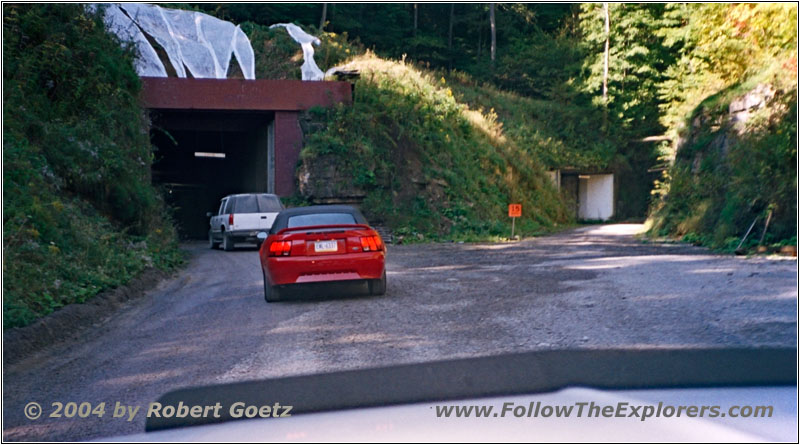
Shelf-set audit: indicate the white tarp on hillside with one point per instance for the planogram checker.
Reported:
(151, 19)
(194, 42)
(244, 53)
(309, 69)
(147, 63)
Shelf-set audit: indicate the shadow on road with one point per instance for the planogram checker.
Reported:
(315, 292)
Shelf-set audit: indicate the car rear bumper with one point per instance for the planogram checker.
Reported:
(325, 268)
(246, 236)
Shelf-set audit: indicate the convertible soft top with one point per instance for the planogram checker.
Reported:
(281, 221)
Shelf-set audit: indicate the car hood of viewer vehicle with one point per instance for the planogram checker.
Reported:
(398, 403)
(419, 423)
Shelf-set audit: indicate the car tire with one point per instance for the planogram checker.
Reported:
(211, 243)
(227, 242)
(271, 295)
(378, 287)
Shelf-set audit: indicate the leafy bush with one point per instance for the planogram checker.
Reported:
(79, 213)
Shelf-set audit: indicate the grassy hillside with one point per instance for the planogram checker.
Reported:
(557, 134)
(426, 162)
(79, 213)
(432, 152)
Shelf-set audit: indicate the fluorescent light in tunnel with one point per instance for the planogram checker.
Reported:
(203, 154)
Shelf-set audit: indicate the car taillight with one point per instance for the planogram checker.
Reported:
(280, 248)
(230, 219)
(371, 243)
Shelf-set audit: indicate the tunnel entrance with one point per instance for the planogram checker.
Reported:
(215, 137)
(202, 156)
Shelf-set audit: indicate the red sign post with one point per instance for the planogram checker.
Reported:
(514, 212)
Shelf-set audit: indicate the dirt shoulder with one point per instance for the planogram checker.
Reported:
(70, 321)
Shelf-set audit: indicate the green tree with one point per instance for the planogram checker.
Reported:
(636, 61)
(715, 46)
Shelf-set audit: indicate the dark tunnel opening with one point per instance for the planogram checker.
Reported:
(202, 156)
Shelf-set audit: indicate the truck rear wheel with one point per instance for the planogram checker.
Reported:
(227, 242)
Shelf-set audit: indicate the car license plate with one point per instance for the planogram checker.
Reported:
(326, 246)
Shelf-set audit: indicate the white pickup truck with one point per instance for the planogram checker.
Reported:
(241, 217)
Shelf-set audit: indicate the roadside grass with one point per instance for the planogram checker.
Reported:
(748, 248)
(414, 238)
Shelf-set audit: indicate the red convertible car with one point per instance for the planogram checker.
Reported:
(328, 243)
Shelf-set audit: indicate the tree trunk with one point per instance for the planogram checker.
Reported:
(494, 32)
(324, 16)
(450, 38)
(605, 55)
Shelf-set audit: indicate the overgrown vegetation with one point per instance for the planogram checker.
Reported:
(725, 173)
(79, 212)
(427, 163)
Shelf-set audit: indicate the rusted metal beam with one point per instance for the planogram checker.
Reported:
(288, 142)
(210, 120)
(173, 93)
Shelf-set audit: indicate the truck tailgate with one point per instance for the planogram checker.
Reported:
(253, 221)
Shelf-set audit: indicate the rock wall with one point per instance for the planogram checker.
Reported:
(735, 163)
(322, 180)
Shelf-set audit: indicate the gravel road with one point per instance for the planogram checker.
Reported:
(591, 287)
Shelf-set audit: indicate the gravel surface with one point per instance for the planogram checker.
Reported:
(591, 287)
